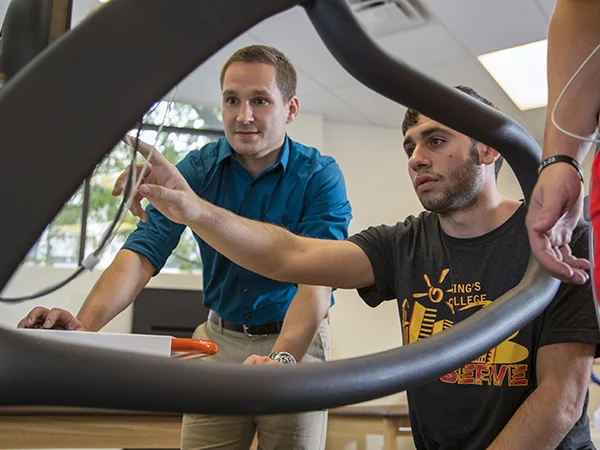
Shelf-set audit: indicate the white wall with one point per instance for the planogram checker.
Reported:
(307, 129)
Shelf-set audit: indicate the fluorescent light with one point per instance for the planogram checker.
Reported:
(521, 73)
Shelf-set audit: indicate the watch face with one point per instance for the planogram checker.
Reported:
(282, 357)
(285, 359)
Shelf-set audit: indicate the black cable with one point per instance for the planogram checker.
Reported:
(105, 239)
(126, 192)
(46, 291)
(129, 184)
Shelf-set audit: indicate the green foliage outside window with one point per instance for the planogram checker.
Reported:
(59, 243)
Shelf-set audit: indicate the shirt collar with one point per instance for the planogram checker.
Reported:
(284, 155)
(226, 152)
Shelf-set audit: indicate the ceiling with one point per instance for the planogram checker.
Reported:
(445, 48)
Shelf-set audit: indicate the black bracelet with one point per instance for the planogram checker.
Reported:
(562, 158)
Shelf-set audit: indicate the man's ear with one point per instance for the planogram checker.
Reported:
(487, 154)
(293, 109)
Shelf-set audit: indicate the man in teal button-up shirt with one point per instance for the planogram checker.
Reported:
(260, 173)
(303, 191)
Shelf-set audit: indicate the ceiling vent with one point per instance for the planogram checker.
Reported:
(382, 17)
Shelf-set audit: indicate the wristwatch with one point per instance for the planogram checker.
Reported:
(283, 357)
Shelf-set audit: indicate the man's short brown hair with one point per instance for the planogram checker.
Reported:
(285, 73)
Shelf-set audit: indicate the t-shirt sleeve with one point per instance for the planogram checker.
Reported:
(571, 317)
(156, 238)
(378, 245)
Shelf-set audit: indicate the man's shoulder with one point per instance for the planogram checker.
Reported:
(412, 225)
(424, 218)
(424, 223)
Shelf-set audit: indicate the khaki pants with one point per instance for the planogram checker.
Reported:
(304, 431)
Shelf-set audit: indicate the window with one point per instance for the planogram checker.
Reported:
(186, 128)
(59, 243)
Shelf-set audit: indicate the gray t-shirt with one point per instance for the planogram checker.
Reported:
(438, 281)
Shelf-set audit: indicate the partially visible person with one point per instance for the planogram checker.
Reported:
(557, 201)
(256, 171)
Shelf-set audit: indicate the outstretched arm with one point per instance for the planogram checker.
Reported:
(263, 248)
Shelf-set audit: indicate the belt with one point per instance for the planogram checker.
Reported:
(249, 330)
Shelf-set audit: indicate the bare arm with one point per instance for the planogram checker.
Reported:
(273, 251)
(544, 419)
(572, 36)
(557, 200)
(116, 289)
(302, 320)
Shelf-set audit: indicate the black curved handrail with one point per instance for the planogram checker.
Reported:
(27, 29)
(37, 372)
(91, 60)
(392, 78)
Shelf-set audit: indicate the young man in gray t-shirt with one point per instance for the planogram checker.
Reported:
(529, 392)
